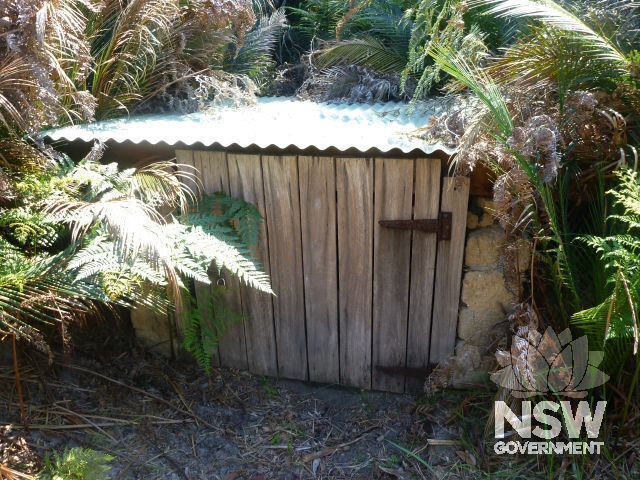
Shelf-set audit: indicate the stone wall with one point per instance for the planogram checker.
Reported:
(485, 302)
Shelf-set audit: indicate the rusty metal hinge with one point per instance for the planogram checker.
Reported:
(440, 226)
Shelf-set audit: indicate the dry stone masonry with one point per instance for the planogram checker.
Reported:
(485, 302)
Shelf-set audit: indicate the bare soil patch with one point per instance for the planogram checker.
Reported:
(167, 420)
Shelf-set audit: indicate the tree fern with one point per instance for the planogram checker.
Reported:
(220, 210)
(93, 232)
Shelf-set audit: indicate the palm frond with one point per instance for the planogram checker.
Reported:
(480, 83)
(547, 56)
(554, 15)
(255, 55)
(127, 40)
(367, 52)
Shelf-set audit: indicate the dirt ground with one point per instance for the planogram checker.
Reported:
(167, 420)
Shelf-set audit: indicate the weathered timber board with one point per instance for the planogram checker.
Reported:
(245, 181)
(391, 260)
(423, 261)
(194, 180)
(455, 199)
(282, 207)
(319, 248)
(354, 182)
(232, 348)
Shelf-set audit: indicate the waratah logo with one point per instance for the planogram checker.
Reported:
(549, 363)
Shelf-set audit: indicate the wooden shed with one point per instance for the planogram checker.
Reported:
(363, 236)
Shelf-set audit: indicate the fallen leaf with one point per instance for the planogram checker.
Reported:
(390, 471)
(467, 457)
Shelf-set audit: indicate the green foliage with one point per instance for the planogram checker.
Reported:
(76, 464)
(552, 117)
(561, 18)
(229, 215)
(440, 23)
(397, 38)
(36, 291)
(372, 34)
(559, 34)
(366, 51)
(616, 318)
(255, 58)
(205, 322)
(92, 232)
(161, 53)
(614, 323)
(317, 19)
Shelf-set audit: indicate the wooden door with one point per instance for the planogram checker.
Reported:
(356, 303)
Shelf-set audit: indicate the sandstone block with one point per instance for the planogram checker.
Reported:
(485, 291)
(486, 220)
(483, 247)
(475, 327)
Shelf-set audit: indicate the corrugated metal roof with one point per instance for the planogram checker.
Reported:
(275, 121)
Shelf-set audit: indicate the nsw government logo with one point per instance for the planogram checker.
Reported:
(561, 370)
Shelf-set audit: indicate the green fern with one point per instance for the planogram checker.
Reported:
(221, 210)
(93, 232)
(204, 324)
(617, 316)
(614, 323)
(76, 464)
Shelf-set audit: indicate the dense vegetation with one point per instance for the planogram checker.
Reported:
(78, 236)
(552, 110)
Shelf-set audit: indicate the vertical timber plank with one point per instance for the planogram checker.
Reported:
(245, 181)
(318, 223)
(232, 349)
(195, 181)
(282, 204)
(354, 182)
(185, 157)
(392, 258)
(455, 199)
(423, 264)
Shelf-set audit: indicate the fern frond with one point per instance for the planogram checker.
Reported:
(204, 247)
(205, 324)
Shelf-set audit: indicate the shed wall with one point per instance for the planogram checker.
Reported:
(356, 304)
